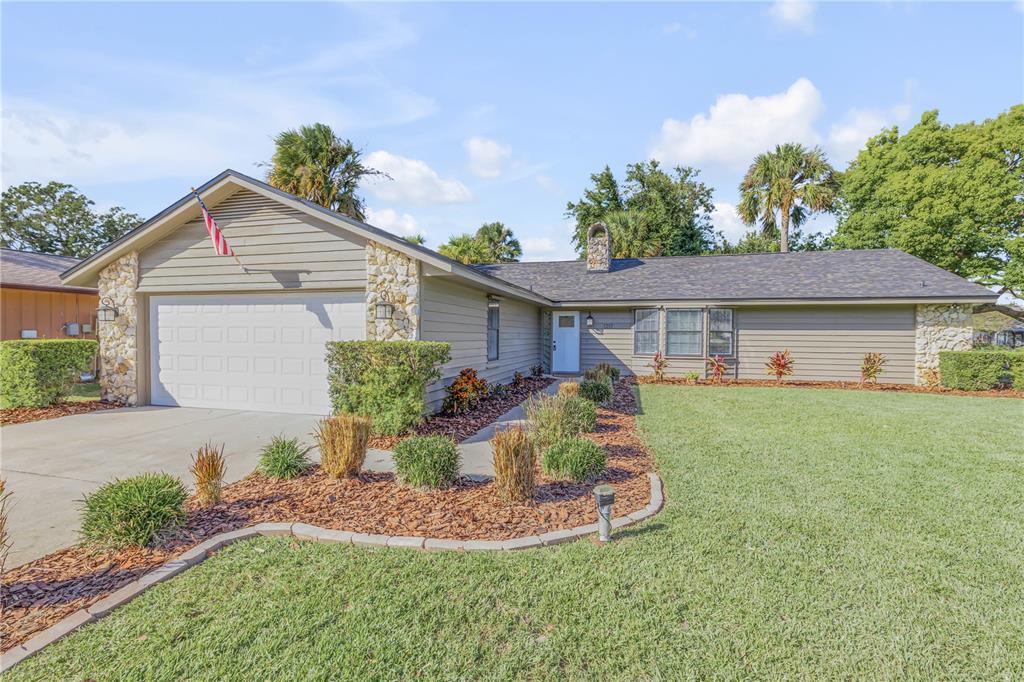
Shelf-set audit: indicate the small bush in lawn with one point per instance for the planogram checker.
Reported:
(716, 367)
(580, 415)
(779, 365)
(871, 367)
(284, 458)
(343, 440)
(577, 459)
(569, 388)
(545, 415)
(513, 465)
(427, 461)
(133, 512)
(465, 392)
(659, 364)
(5, 538)
(597, 391)
(609, 370)
(208, 473)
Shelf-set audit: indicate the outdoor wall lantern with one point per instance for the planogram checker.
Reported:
(590, 319)
(106, 312)
(384, 310)
(604, 495)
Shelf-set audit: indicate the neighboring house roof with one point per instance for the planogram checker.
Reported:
(28, 270)
(874, 274)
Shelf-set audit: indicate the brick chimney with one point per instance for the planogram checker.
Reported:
(599, 248)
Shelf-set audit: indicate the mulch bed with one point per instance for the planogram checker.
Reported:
(462, 426)
(845, 385)
(40, 593)
(21, 415)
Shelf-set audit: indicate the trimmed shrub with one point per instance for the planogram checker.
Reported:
(514, 465)
(343, 440)
(133, 512)
(597, 391)
(569, 388)
(871, 367)
(384, 380)
(427, 461)
(579, 415)
(465, 392)
(577, 459)
(284, 458)
(37, 373)
(208, 472)
(981, 370)
(779, 365)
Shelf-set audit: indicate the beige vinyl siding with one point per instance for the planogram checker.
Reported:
(281, 247)
(457, 314)
(827, 342)
(611, 340)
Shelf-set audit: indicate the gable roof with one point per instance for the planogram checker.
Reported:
(874, 274)
(30, 270)
(186, 208)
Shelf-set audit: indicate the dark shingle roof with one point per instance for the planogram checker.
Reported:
(862, 274)
(34, 270)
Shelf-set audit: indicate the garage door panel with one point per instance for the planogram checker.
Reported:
(249, 351)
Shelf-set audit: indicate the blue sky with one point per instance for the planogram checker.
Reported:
(481, 111)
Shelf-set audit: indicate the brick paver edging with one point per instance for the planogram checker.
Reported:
(304, 531)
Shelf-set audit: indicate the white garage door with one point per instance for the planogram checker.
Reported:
(248, 351)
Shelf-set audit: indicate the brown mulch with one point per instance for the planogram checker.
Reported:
(21, 415)
(462, 426)
(38, 594)
(845, 385)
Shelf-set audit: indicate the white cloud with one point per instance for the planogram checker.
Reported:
(391, 220)
(486, 157)
(413, 181)
(738, 127)
(848, 136)
(796, 14)
(727, 221)
(676, 27)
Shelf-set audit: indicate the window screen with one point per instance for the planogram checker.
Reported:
(645, 331)
(684, 331)
(720, 332)
(493, 326)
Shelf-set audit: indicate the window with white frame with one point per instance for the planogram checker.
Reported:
(684, 331)
(645, 331)
(493, 326)
(720, 332)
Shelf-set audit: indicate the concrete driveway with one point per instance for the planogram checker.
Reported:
(49, 465)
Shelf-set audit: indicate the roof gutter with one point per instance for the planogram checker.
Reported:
(770, 301)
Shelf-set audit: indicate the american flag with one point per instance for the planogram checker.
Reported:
(220, 244)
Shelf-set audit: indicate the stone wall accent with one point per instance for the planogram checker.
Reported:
(940, 327)
(545, 340)
(599, 248)
(118, 347)
(392, 277)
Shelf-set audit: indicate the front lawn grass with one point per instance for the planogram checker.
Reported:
(84, 392)
(807, 534)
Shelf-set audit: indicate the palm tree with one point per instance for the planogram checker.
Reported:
(631, 235)
(500, 245)
(791, 180)
(315, 164)
(415, 239)
(465, 248)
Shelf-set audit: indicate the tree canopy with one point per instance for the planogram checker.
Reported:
(492, 243)
(653, 213)
(785, 186)
(951, 195)
(56, 218)
(415, 239)
(314, 163)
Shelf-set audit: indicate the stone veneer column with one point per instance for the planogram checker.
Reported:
(392, 277)
(118, 348)
(939, 328)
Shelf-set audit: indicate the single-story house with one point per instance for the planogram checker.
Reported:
(35, 304)
(196, 329)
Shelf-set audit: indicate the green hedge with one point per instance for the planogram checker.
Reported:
(384, 380)
(980, 370)
(39, 372)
